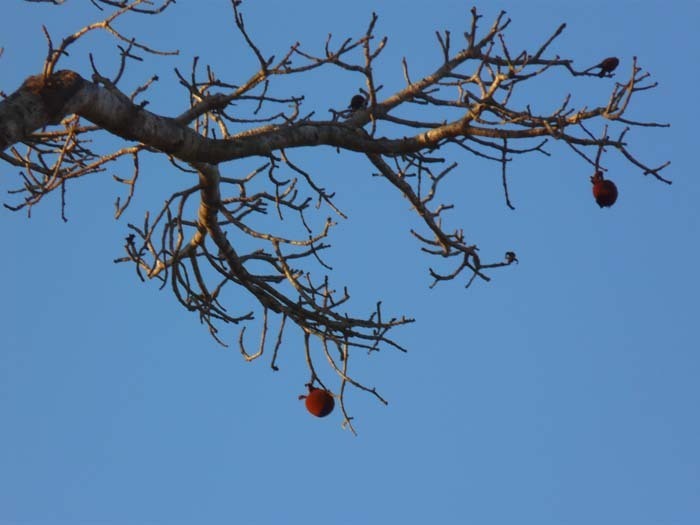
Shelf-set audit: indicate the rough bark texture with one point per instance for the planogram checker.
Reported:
(37, 103)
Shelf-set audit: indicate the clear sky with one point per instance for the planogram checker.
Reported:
(563, 392)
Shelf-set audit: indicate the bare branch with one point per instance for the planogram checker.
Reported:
(267, 231)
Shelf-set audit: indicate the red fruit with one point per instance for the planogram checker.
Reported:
(319, 402)
(604, 191)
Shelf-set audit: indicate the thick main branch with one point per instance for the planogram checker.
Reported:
(32, 107)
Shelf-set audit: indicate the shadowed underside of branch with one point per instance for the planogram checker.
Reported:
(47, 125)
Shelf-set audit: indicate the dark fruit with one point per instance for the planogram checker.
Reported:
(319, 402)
(608, 65)
(604, 191)
(357, 102)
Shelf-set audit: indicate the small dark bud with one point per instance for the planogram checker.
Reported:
(608, 65)
(357, 102)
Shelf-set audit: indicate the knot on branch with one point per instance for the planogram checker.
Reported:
(55, 91)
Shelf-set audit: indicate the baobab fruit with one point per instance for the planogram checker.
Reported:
(608, 65)
(357, 102)
(319, 402)
(604, 191)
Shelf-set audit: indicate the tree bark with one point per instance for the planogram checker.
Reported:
(38, 103)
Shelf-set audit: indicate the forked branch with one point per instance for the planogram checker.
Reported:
(267, 231)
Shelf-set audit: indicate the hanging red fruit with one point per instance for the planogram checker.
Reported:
(319, 402)
(604, 191)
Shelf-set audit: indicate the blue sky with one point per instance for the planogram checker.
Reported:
(562, 392)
